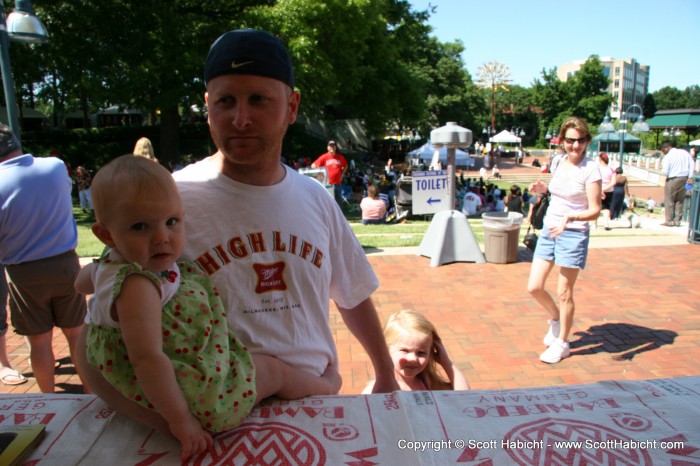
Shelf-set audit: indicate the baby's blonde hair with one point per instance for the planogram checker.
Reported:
(411, 321)
(144, 148)
(129, 177)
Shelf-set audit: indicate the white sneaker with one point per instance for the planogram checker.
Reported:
(557, 351)
(552, 333)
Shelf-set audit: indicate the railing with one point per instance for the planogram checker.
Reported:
(643, 167)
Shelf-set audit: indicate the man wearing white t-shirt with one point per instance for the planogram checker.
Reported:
(276, 245)
(472, 203)
(678, 167)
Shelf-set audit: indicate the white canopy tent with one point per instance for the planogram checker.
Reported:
(505, 137)
(425, 154)
(695, 143)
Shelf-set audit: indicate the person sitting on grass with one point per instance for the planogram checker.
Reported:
(373, 207)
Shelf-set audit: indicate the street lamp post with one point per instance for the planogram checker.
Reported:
(549, 135)
(673, 132)
(21, 25)
(518, 131)
(640, 126)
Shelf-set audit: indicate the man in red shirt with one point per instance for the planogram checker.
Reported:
(336, 166)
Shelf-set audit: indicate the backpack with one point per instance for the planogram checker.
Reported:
(540, 207)
(539, 211)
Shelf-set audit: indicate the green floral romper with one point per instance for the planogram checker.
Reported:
(214, 369)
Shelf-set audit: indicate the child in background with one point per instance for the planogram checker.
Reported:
(418, 354)
(651, 203)
(157, 329)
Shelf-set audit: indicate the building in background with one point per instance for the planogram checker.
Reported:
(629, 81)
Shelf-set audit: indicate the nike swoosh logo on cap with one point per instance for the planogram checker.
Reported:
(235, 65)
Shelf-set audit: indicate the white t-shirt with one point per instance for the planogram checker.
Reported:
(277, 255)
(471, 203)
(568, 188)
(607, 175)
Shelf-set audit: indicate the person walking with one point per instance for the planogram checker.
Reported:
(621, 190)
(678, 167)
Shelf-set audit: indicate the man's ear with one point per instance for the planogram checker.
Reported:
(102, 234)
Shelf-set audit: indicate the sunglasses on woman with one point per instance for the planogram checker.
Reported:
(573, 140)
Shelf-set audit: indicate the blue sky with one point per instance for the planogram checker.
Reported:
(528, 36)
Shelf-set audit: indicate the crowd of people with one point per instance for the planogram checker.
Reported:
(190, 262)
(476, 196)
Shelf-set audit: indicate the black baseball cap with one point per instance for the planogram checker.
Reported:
(249, 51)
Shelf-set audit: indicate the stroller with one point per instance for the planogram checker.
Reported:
(404, 197)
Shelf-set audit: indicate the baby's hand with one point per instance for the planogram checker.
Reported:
(193, 438)
(333, 378)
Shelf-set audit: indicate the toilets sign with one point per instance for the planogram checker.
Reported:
(429, 191)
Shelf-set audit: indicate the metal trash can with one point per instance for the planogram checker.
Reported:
(501, 236)
(694, 219)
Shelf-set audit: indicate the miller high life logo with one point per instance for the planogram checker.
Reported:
(270, 277)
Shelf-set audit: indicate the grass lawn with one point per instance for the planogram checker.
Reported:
(402, 234)
(88, 244)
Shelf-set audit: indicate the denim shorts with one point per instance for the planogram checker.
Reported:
(570, 249)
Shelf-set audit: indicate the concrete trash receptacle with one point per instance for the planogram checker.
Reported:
(501, 236)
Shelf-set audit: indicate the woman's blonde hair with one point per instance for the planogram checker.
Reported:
(144, 148)
(129, 177)
(405, 321)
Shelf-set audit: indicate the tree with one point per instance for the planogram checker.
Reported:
(583, 95)
(516, 109)
(381, 67)
(668, 98)
(692, 96)
(587, 92)
(451, 95)
(649, 106)
(548, 97)
(154, 64)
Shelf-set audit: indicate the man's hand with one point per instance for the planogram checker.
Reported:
(385, 384)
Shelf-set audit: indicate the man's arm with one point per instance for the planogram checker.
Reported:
(363, 323)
